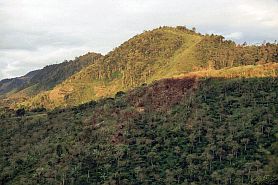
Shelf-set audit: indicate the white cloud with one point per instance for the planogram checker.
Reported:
(35, 33)
(263, 12)
(16, 61)
(234, 36)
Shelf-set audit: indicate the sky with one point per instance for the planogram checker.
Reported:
(35, 33)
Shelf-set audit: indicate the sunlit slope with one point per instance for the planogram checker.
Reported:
(248, 71)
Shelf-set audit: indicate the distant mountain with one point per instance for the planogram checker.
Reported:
(161, 53)
(52, 75)
(14, 84)
(21, 88)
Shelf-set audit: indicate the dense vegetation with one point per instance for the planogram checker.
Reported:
(152, 55)
(222, 53)
(169, 106)
(174, 131)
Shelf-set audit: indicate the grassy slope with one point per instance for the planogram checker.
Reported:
(182, 61)
(266, 70)
(173, 131)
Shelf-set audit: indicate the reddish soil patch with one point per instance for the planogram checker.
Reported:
(162, 94)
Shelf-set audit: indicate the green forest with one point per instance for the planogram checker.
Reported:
(174, 131)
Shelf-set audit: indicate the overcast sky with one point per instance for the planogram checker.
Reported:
(34, 33)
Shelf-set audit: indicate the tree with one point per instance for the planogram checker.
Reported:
(179, 173)
(230, 157)
(216, 176)
(152, 156)
(229, 172)
(245, 141)
(139, 172)
(169, 176)
(194, 29)
(220, 152)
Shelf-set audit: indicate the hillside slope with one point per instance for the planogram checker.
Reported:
(219, 129)
(135, 62)
(14, 84)
(161, 53)
(22, 88)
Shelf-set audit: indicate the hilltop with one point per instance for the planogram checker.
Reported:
(153, 55)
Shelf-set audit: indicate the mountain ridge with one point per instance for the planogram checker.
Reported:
(43, 79)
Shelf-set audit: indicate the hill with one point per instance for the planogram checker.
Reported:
(14, 84)
(168, 106)
(207, 127)
(153, 55)
(19, 89)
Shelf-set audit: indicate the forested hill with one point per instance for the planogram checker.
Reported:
(153, 55)
(217, 127)
(22, 88)
(168, 106)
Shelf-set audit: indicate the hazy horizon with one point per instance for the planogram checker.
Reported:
(36, 33)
